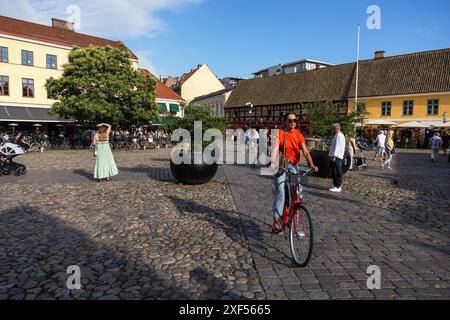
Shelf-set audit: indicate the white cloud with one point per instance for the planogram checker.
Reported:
(116, 19)
(145, 61)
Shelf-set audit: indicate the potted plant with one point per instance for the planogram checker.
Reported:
(322, 115)
(194, 169)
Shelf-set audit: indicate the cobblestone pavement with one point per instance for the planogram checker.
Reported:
(397, 220)
(142, 236)
(137, 237)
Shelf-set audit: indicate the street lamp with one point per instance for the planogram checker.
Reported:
(250, 106)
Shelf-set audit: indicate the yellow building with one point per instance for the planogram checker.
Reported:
(198, 82)
(396, 89)
(31, 53)
(402, 89)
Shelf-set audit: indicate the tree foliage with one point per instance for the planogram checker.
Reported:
(194, 113)
(99, 84)
(323, 114)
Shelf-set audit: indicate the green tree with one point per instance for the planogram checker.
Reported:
(322, 115)
(99, 84)
(194, 113)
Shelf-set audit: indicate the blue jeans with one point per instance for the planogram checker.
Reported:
(389, 159)
(279, 191)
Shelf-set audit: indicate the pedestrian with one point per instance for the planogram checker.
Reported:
(380, 142)
(435, 143)
(336, 155)
(445, 143)
(352, 148)
(389, 151)
(105, 166)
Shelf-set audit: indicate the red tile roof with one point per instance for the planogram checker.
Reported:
(186, 76)
(53, 35)
(163, 91)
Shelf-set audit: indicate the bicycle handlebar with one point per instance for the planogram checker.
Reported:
(305, 173)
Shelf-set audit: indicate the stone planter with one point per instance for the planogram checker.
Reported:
(193, 174)
(322, 161)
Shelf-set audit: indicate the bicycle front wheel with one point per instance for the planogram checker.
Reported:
(301, 236)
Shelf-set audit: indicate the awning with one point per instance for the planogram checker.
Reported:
(28, 114)
(381, 122)
(414, 125)
(162, 106)
(154, 122)
(174, 107)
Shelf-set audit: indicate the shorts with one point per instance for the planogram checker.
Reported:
(380, 149)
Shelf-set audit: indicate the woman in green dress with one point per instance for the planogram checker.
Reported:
(105, 166)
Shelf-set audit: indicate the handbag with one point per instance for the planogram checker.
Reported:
(283, 160)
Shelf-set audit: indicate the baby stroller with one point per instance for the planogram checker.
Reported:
(8, 152)
(359, 161)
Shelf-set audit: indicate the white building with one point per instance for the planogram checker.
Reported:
(215, 100)
(291, 67)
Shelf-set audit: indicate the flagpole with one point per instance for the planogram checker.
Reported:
(357, 78)
(357, 67)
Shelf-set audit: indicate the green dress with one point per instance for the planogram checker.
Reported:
(105, 166)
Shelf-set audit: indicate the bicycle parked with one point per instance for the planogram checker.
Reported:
(363, 143)
(297, 219)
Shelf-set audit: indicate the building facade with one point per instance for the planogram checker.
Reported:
(405, 88)
(31, 53)
(216, 101)
(168, 101)
(198, 82)
(291, 67)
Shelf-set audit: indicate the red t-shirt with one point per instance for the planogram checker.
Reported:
(293, 142)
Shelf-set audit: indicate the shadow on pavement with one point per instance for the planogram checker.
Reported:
(36, 249)
(88, 175)
(236, 227)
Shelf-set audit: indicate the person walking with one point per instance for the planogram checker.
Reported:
(445, 143)
(105, 166)
(435, 144)
(380, 142)
(389, 151)
(352, 148)
(336, 155)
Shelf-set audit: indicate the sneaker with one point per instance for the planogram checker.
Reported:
(301, 234)
(335, 189)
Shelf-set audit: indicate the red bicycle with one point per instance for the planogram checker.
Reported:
(296, 217)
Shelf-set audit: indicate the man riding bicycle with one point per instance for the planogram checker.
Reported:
(289, 142)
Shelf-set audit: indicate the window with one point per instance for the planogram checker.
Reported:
(408, 107)
(386, 109)
(27, 58)
(433, 107)
(51, 61)
(28, 88)
(4, 86)
(3, 54)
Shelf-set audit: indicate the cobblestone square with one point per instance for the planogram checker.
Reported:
(142, 236)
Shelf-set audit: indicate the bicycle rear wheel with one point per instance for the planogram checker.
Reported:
(301, 236)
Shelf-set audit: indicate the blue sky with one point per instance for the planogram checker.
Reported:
(237, 37)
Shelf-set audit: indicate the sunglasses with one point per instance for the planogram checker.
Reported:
(292, 120)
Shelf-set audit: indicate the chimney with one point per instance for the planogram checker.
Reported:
(62, 24)
(379, 54)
